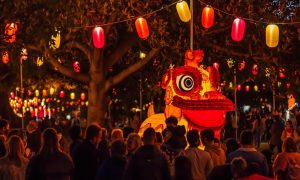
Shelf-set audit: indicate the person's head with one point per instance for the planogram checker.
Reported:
(231, 145)
(193, 138)
(149, 136)
(49, 142)
(246, 138)
(4, 127)
(289, 125)
(75, 132)
(15, 150)
(289, 145)
(117, 134)
(183, 168)
(93, 134)
(32, 126)
(171, 121)
(134, 141)
(207, 136)
(127, 130)
(118, 148)
(239, 167)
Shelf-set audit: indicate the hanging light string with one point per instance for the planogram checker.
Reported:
(248, 19)
(132, 18)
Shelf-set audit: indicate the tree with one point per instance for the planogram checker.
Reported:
(38, 20)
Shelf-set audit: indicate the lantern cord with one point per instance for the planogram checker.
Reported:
(248, 19)
(134, 17)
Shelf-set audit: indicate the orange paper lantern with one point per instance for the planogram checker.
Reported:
(238, 29)
(208, 17)
(142, 28)
(98, 37)
(10, 32)
(247, 88)
(5, 57)
(82, 96)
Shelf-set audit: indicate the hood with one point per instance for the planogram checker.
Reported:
(214, 149)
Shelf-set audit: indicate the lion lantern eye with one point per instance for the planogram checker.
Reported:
(185, 82)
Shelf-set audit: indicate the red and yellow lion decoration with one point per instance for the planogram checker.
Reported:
(192, 96)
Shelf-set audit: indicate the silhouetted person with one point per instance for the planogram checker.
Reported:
(183, 168)
(76, 136)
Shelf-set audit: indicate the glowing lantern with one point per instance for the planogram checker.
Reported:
(255, 88)
(76, 66)
(272, 35)
(238, 29)
(242, 65)
(98, 37)
(207, 17)
(61, 94)
(56, 41)
(52, 90)
(82, 96)
(37, 93)
(239, 87)
(255, 69)
(10, 32)
(44, 92)
(288, 85)
(183, 11)
(216, 65)
(247, 88)
(264, 86)
(230, 85)
(142, 28)
(40, 61)
(281, 73)
(5, 57)
(72, 95)
(24, 54)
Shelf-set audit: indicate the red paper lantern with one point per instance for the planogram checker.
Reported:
(238, 29)
(247, 88)
(61, 94)
(255, 69)
(242, 65)
(76, 66)
(5, 57)
(288, 85)
(208, 17)
(98, 37)
(10, 32)
(239, 87)
(281, 73)
(142, 28)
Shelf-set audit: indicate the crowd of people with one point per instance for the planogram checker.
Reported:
(45, 152)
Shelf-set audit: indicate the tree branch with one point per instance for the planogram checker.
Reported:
(131, 69)
(121, 49)
(67, 71)
(4, 76)
(111, 18)
(75, 44)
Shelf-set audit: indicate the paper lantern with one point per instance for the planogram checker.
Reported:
(239, 87)
(72, 95)
(98, 37)
(238, 29)
(255, 69)
(288, 85)
(44, 92)
(183, 11)
(5, 57)
(247, 88)
(61, 94)
(255, 88)
(52, 90)
(264, 86)
(39, 61)
(24, 54)
(241, 65)
(55, 40)
(37, 93)
(76, 66)
(281, 73)
(216, 65)
(208, 17)
(272, 35)
(142, 28)
(82, 96)
(10, 32)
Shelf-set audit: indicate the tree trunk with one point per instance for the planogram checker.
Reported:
(96, 110)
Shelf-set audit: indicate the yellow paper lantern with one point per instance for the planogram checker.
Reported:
(44, 92)
(255, 88)
(272, 35)
(56, 41)
(52, 90)
(40, 61)
(37, 93)
(183, 11)
(72, 95)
